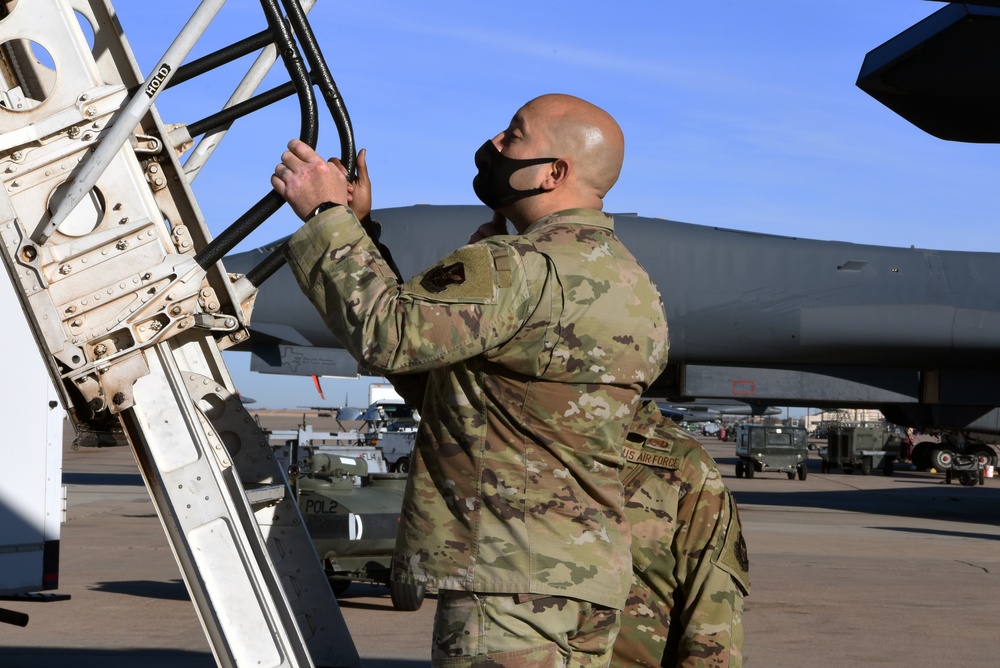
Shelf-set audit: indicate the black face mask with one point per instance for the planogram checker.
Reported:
(492, 183)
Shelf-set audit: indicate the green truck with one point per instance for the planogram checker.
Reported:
(763, 448)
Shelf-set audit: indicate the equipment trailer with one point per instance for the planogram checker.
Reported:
(860, 448)
(130, 307)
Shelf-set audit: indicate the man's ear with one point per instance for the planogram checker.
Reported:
(557, 175)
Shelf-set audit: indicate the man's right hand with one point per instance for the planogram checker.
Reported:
(361, 189)
(491, 229)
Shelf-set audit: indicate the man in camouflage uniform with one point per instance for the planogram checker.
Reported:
(688, 555)
(536, 348)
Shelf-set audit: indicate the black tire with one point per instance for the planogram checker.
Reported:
(402, 465)
(921, 455)
(866, 466)
(968, 478)
(982, 476)
(339, 586)
(751, 469)
(739, 468)
(824, 466)
(803, 472)
(790, 474)
(942, 459)
(847, 469)
(406, 597)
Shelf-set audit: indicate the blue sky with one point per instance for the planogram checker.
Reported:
(736, 114)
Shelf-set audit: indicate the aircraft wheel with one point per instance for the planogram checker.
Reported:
(803, 472)
(739, 468)
(942, 459)
(988, 453)
(921, 455)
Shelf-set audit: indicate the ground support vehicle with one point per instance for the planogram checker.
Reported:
(395, 445)
(353, 526)
(763, 448)
(969, 469)
(294, 447)
(392, 428)
(384, 446)
(927, 454)
(862, 448)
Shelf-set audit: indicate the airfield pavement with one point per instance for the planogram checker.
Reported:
(847, 570)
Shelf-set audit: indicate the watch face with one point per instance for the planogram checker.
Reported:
(323, 207)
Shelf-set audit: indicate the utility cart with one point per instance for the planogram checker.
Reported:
(969, 469)
(763, 448)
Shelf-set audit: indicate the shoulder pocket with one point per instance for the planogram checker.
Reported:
(651, 509)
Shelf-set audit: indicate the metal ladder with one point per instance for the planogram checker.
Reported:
(99, 232)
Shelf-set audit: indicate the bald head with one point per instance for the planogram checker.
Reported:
(584, 134)
(558, 153)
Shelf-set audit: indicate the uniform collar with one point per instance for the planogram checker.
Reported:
(646, 420)
(574, 216)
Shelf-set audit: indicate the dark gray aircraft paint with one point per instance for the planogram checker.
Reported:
(763, 319)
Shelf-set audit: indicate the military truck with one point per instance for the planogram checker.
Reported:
(353, 526)
(392, 428)
(851, 448)
(763, 448)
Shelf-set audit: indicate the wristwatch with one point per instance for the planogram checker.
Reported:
(321, 208)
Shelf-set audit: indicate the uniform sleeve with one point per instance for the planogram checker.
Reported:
(713, 578)
(470, 302)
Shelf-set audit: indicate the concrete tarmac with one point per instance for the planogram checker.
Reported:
(846, 569)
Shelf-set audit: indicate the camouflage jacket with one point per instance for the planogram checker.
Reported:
(690, 563)
(535, 348)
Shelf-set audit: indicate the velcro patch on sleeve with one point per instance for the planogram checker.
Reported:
(466, 276)
(733, 556)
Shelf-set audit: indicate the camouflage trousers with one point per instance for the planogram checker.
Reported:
(521, 631)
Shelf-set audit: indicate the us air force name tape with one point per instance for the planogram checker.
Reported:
(651, 458)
